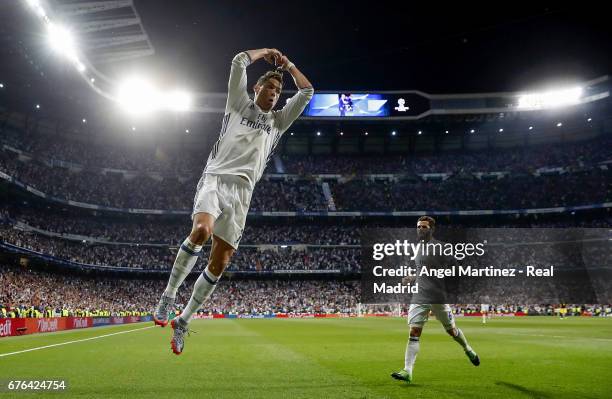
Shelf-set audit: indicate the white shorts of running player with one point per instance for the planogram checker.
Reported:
(418, 315)
(227, 198)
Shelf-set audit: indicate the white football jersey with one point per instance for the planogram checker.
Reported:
(249, 135)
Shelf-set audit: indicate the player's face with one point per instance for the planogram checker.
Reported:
(424, 230)
(268, 94)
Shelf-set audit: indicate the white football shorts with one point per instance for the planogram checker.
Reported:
(227, 198)
(419, 314)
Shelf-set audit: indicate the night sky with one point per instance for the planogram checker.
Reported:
(381, 45)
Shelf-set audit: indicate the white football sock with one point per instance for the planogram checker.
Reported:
(460, 338)
(186, 259)
(412, 350)
(202, 289)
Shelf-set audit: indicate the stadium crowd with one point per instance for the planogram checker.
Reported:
(461, 192)
(190, 160)
(25, 292)
(585, 183)
(162, 258)
(23, 288)
(156, 159)
(113, 190)
(170, 231)
(592, 187)
(513, 160)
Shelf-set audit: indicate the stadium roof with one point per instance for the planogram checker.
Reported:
(459, 48)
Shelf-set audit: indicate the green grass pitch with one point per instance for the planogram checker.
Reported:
(528, 357)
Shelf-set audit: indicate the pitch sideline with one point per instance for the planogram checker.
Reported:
(73, 341)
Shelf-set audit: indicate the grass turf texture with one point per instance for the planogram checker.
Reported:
(528, 357)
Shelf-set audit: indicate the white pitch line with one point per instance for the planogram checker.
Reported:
(72, 342)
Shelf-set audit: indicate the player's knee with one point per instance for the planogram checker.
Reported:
(452, 332)
(200, 233)
(415, 331)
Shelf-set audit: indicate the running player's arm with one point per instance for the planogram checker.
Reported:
(296, 104)
(410, 279)
(237, 86)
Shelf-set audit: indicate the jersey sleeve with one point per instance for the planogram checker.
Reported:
(237, 86)
(294, 107)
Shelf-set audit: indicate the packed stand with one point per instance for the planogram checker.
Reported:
(191, 160)
(23, 288)
(582, 154)
(144, 192)
(358, 194)
(170, 231)
(162, 258)
(593, 187)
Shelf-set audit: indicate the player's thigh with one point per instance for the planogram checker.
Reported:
(418, 315)
(444, 314)
(208, 198)
(220, 255)
(230, 225)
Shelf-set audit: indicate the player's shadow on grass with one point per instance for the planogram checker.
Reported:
(528, 392)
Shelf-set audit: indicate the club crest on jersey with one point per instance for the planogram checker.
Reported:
(260, 123)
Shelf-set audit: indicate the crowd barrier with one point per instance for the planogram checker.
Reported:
(331, 315)
(24, 326)
(510, 314)
(275, 316)
(29, 325)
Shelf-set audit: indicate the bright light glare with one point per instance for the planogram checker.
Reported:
(61, 41)
(137, 96)
(179, 101)
(551, 99)
(35, 5)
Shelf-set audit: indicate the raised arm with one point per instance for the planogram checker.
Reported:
(237, 86)
(271, 55)
(298, 102)
(299, 79)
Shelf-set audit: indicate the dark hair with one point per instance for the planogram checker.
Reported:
(429, 219)
(278, 75)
